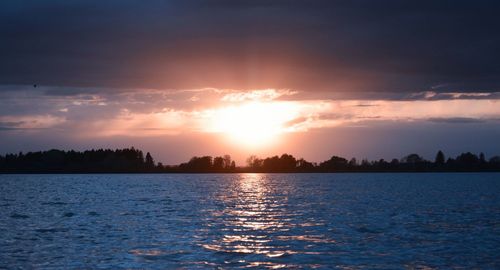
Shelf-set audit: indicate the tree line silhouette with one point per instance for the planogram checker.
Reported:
(55, 161)
(411, 163)
(131, 160)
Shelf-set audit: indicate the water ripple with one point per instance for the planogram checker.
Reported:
(260, 221)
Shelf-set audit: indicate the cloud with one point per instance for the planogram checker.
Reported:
(30, 122)
(256, 95)
(10, 125)
(327, 46)
(130, 124)
(31, 119)
(457, 120)
(431, 95)
(153, 112)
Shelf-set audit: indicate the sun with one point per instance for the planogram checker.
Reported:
(254, 124)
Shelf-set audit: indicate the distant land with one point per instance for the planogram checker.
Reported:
(131, 160)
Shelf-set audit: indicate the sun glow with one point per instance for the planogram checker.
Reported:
(254, 124)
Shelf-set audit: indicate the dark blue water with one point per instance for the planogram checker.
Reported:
(323, 221)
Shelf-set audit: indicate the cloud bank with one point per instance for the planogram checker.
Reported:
(328, 46)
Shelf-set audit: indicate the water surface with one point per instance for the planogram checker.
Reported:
(229, 221)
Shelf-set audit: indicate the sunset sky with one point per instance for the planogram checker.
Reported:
(365, 79)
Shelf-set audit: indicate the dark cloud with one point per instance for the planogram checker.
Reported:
(366, 105)
(431, 95)
(98, 64)
(10, 125)
(459, 120)
(456, 120)
(318, 46)
(17, 126)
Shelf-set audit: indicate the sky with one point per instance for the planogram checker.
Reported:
(364, 79)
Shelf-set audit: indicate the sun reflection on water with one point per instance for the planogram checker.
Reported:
(253, 214)
(255, 225)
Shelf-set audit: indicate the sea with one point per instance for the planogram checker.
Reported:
(250, 221)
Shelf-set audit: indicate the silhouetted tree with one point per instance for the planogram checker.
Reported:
(285, 163)
(394, 162)
(150, 163)
(254, 162)
(412, 159)
(335, 163)
(365, 163)
(353, 162)
(218, 164)
(382, 165)
(197, 164)
(227, 161)
(467, 158)
(288, 162)
(482, 159)
(439, 158)
(304, 165)
(495, 161)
